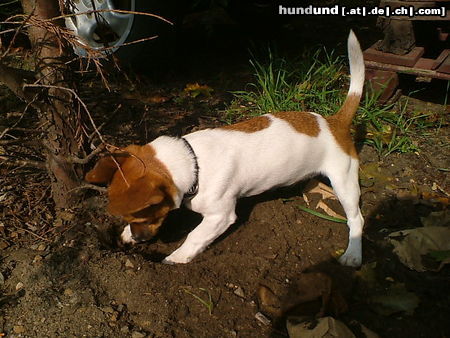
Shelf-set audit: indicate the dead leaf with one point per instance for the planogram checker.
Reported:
(410, 245)
(313, 294)
(442, 257)
(268, 301)
(368, 333)
(395, 299)
(435, 198)
(372, 172)
(317, 187)
(306, 199)
(322, 205)
(145, 98)
(195, 89)
(327, 327)
(437, 218)
(368, 274)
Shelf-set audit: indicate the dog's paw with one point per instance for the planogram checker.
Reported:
(176, 259)
(167, 261)
(126, 237)
(351, 259)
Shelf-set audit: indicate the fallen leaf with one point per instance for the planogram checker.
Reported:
(442, 257)
(313, 294)
(435, 198)
(327, 327)
(195, 89)
(322, 205)
(373, 172)
(368, 274)
(437, 218)
(157, 99)
(317, 187)
(306, 199)
(395, 299)
(268, 301)
(410, 245)
(368, 333)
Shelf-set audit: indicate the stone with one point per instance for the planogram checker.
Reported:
(129, 264)
(137, 334)
(68, 292)
(239, 292)
(262, 319)
(19, 329)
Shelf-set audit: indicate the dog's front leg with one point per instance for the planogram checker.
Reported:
(211, 227)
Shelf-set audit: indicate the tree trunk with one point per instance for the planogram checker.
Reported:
(58, 116)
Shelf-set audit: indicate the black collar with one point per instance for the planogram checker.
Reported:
(194, 188)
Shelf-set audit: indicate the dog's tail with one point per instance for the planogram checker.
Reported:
(347, 112)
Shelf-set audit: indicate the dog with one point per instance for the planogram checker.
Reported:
(208, 170)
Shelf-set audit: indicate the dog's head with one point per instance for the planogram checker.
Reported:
(140, 189)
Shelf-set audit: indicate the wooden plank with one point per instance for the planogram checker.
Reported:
(441, 58)
(408, 60)
(424, 63)
(445, 66)
(408, 70)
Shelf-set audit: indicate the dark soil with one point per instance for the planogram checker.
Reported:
(73, 281)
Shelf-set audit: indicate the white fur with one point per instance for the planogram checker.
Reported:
(127, 236)
(235, 164)
(178, 160)
(356, 60)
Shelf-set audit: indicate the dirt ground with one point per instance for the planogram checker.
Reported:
(73, 281)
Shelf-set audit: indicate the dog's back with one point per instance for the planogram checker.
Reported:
(282, 148)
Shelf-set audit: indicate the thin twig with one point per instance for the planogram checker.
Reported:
(17, 32)
(79, 100)
(110, 118)
(32, 233)
(9, 3)
(90, 186)
(89, 157)
(22, 163)
(122, 11)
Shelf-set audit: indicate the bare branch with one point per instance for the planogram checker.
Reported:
(92, 187)
(89, 157)
(12, 79)
(22, 163)
(79, 100)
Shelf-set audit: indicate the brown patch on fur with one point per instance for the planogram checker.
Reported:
(141, 190)
(305, 123)
(250, 126)
(340, 124)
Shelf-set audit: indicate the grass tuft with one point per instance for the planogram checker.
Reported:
(208, 303)
(318, 82)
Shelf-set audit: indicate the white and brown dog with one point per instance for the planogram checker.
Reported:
(209, 170)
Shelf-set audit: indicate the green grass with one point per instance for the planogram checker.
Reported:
(278, 87)
(318, 82)
(208, 303)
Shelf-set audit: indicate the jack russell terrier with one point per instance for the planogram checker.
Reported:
(209, 170)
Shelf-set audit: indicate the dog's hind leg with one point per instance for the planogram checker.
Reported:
(346, 187)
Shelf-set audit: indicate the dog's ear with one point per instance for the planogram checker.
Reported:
(133, 196)
(105, 168)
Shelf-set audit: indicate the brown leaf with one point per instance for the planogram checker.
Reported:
(268, 301)
(195, 89)
(316, 187)
(322, 205)
(410, 245)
